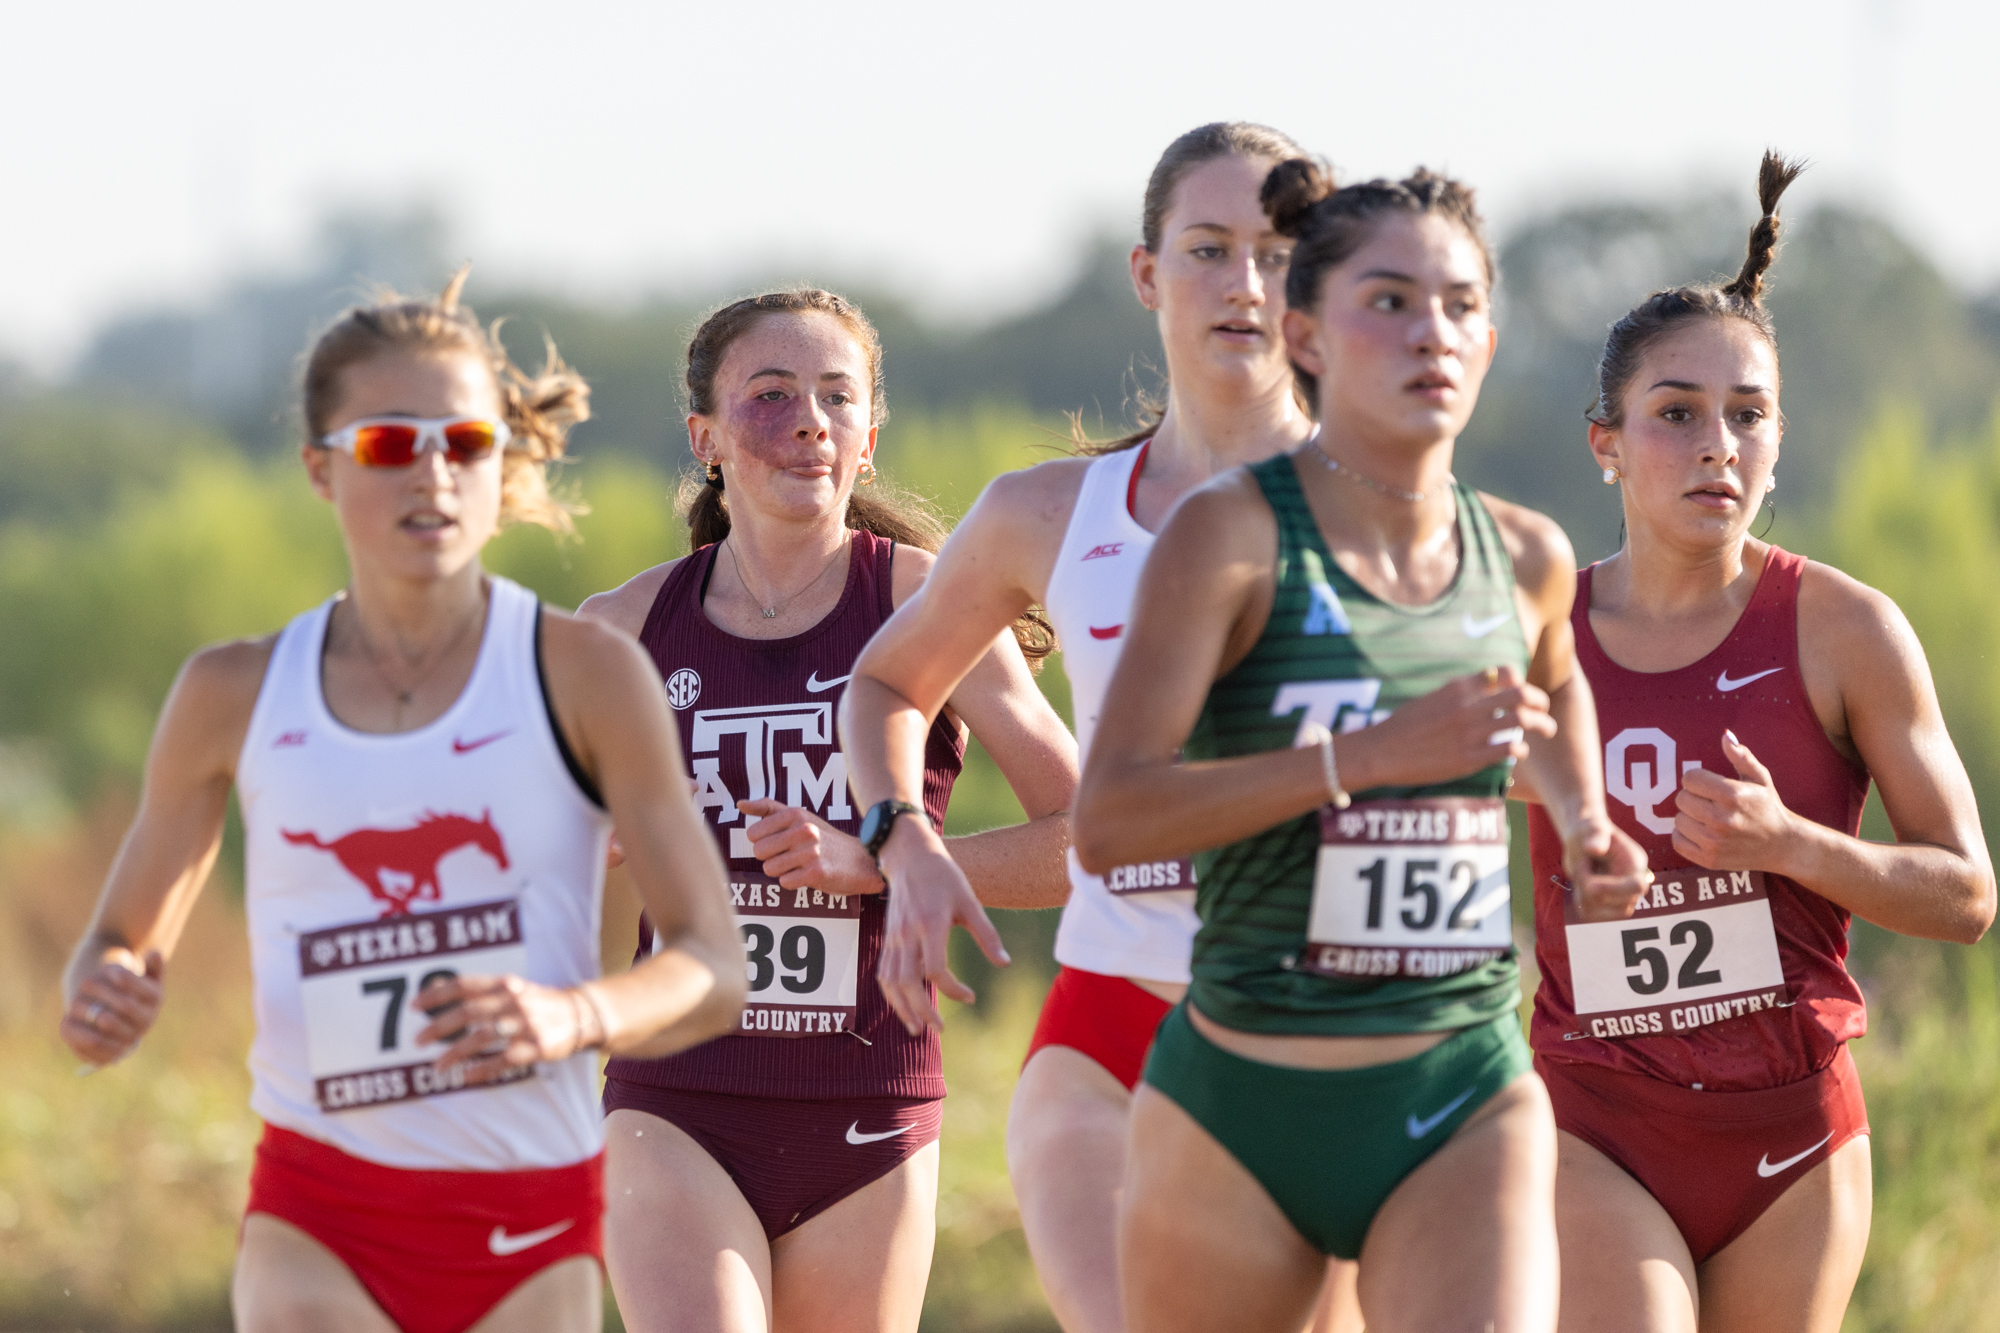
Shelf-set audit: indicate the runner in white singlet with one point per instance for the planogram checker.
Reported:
(428, 766)
(1071, 535)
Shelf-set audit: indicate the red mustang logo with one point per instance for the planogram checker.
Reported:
(381, 858)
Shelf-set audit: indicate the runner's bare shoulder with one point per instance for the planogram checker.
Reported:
(1540, 550)
(208, 710)
(624, 607)
(1033, 501)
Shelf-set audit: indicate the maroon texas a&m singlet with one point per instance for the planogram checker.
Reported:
(1729, 981)
(758, 719)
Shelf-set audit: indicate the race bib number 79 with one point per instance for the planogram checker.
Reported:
(358, 983)
(1413, 888)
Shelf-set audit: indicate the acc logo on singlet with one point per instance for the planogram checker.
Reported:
(683, 687)
(1640, 770)
(399, 867)
(765, 761)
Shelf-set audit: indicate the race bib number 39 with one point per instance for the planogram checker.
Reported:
(1414, 888)
(358, 983)
(802, 954)
(1698, 949)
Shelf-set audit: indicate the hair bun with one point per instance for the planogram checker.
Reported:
(1291, 190)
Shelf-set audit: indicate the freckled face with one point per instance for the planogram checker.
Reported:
(1403, 335)
(791, 422)
(430, 519)
(1701, 432)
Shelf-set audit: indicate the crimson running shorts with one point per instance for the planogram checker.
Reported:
(792, 1160)
(1714, 1160)
(1109, 1019)
(436, 1249)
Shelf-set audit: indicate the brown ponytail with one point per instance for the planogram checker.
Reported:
(539, 409)
(1650, 320)
(886, 511)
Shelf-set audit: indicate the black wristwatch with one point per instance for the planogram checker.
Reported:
(880, 822)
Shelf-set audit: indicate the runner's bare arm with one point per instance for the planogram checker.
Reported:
(1565, 771)
(112, 989)
(624, 607)
(994, 567)
(1871, 685)
(608, 700)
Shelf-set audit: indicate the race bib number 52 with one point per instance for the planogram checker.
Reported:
(1698, 949)
(358, 982)
(1414, 888)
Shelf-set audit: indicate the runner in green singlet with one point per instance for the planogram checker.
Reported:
(1347, 1075)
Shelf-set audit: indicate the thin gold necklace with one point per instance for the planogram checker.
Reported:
(405, 695)
(771, 612)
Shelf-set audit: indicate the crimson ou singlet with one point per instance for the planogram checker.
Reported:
(1139, 920)
(1726, 980)
(758, 720)
(374, 863)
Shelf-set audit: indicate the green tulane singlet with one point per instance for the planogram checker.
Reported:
(1391, 915)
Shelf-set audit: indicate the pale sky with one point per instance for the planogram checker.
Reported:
(952, 153)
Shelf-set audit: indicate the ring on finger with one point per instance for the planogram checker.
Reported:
(1492, 676)
(1499, 714)
(92, 1014)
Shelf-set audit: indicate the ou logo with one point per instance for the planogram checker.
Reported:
(683, 688)
(1640, 783)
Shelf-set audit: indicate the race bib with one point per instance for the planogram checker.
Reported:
(358, 982)
(1151, 877)
(802, 953)
(1699, 949)
(1414, 888)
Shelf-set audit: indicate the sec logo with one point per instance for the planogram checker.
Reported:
(683, 688)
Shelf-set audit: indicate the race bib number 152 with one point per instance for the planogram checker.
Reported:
(1413, 888)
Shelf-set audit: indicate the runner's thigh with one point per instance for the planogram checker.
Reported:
(1066, 1134)
(1793, 1269)
(1625, 1267)
(864, 1263)
(1468, 1240)
(686, 1253)
(1201, 1245)
(565, 1297)
(287, 1282)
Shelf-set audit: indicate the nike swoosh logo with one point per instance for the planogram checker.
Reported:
(1725, 684)
(503, 1244)
(1418, 1128)
(1479, 629)
(816, 685)
(1108, 632)
(467, 747)
(1768, 1168)
(855, 1136)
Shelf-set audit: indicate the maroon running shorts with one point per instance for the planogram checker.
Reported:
(1109, 1019)
(436, 1249)
(792, 1160)
(1714, 1160)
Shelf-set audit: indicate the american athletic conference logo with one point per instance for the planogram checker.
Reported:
(683, 687)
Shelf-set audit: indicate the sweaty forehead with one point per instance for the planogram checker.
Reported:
(1427, 247)
(1223, 192)
(1718, 353)
(809, 346)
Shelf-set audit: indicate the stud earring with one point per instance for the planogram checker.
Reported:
(1611, 476)
(1770, 483)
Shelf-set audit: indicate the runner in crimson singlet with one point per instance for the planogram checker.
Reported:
(786, 1175)
(428, 766)
(1072, 535)
(1709, 1111)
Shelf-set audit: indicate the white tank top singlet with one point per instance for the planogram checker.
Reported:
(373, 862)
(1139, 920)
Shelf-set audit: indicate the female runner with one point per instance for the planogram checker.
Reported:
(786, 1176)
(428, 766)
(1072, 535)
(1347, 617)
(1713, 1163)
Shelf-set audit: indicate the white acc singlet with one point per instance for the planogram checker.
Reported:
(373, 863)
(1139, 920)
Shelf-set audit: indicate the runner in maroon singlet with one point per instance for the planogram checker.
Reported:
(787, 1175)
(1713, 1162)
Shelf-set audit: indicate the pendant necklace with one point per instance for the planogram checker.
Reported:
(771, 612)
(405, 695)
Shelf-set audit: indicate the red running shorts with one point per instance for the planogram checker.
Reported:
(1109, 1019)
(1714, 1160)
(791, 1159)
(436, 1249)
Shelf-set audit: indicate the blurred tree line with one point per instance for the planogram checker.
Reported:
(149, 502)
